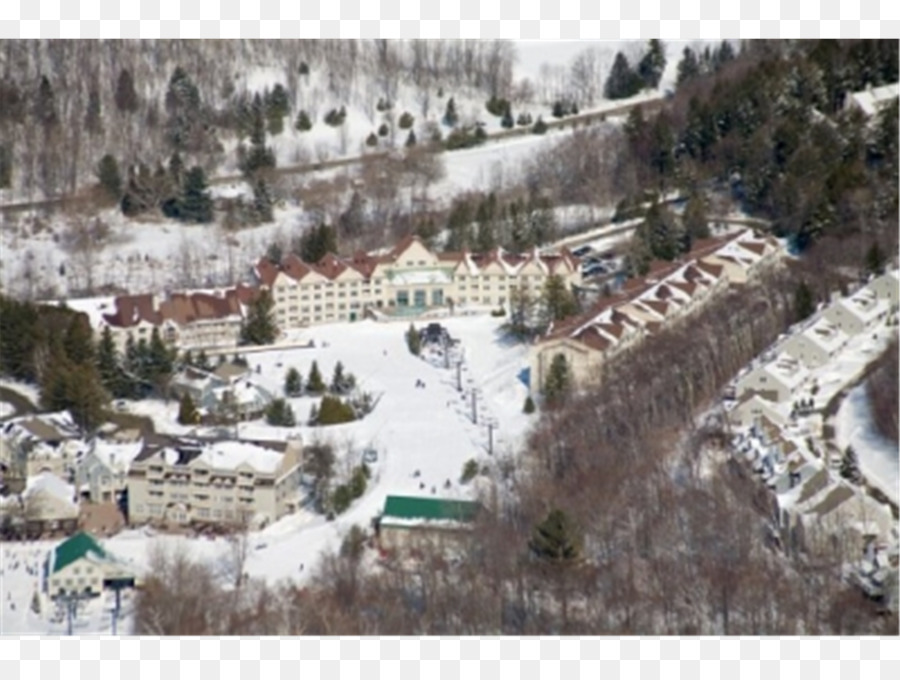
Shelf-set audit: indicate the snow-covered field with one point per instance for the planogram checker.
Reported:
(428, 429)
(879, 457)
(6, 409)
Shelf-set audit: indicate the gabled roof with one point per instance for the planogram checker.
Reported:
(73, 549)
(330, 266)
(266, 271)
(420, 508)
(132, 309)
(405, 243)
(294, 267)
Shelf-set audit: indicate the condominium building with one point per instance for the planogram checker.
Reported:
(225, 482)
(408, 280)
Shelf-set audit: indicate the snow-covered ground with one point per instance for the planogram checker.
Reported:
(879, 457)
(428, 429)
(6, 409)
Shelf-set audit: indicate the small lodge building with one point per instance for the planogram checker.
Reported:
(410, 520)
(79, 565)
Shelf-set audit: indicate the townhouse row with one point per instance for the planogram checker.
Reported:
(668, 293)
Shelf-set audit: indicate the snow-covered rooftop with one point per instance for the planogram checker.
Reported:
(826, 335)
(50, 484)
(421, 277)
(789, 371)
(116, 455)
(228, 455)
(870, 101)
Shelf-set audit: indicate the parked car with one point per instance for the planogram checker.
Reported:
(370, 456)
(581, 251)
(593, 270)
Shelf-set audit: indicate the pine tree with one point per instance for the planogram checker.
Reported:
(110, 179)
(315, 384)
(293, 383)
(6, 165)
(850, 466)
(262, 201)
(36, 603)
(507, 120)
(450, 115)
(413, 340)
(108, 364)
(540, 127)
(558, 301)
(411, 139)
(317, 243)
(337, 378)
(653, 63)
(93, 121)
(259, 327)
(804, 304)
(528, 408)
(45, 104)
(406, 121)
(555, 539)
(303, 122)
(559, 379)
(78, 342)
(196, 204)
(159, 358)
(688, 67)
(622, 81)
(661, 229)
(875, 259)
(280, 414)
(187, 411)
(125, 97)
(371, 140)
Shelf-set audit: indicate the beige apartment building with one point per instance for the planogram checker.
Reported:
(226, 482)
(408, 280)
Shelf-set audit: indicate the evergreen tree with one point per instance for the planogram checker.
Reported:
(36, 603)
(196, 204)
(176, 171)
(555, 539)
(413, 340)
(540, 127)
(875, 259)
(303, 123)
(529, 407)
(622, 81)
(411, 139)
(559, 379)
(19, 333)
(450, 116)
(279, 413)
(78, 342)
(276, 108)
(406, 121)
(653, 63)
(688, 67)
(110, 179)
(108, 365)
(187, 411)
(507, 120)
(850, 466)
(262, 201)
(202, 361)
(315, 384)
(558, 301)
(371, 140)
(45, 104)
(259, 327)
(337, 379)
(6, 165)
(696, 223)
(93, 121)
(317, 243)
(660, 227)
(125, 97)
(804, 304)
(293, 383)
(333, 411)
(186, 122)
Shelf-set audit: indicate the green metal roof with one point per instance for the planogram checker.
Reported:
(414, 507)
(74, 548)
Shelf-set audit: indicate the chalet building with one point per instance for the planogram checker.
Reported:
(667, 294)
(407, 280)
(408, 521)
(80, 565)
(858, 312)
(887, 287)
(45, 507)
(816, 345)
(778, 380)
(872, 100)
(225, 482)
(187, 321)
(102, 473)
(48, 442)
(751, 408)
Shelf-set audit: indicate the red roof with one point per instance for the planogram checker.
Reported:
(294, 267)
(266, 271)
(131, 310)
(330, 266)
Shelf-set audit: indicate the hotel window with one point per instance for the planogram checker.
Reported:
(403, 298)
(419, 298)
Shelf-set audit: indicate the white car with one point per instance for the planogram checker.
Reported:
(370, 456)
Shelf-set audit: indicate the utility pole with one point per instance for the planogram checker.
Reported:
(491, 425)
(70, 602)
(459, 376)
(475, 405)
